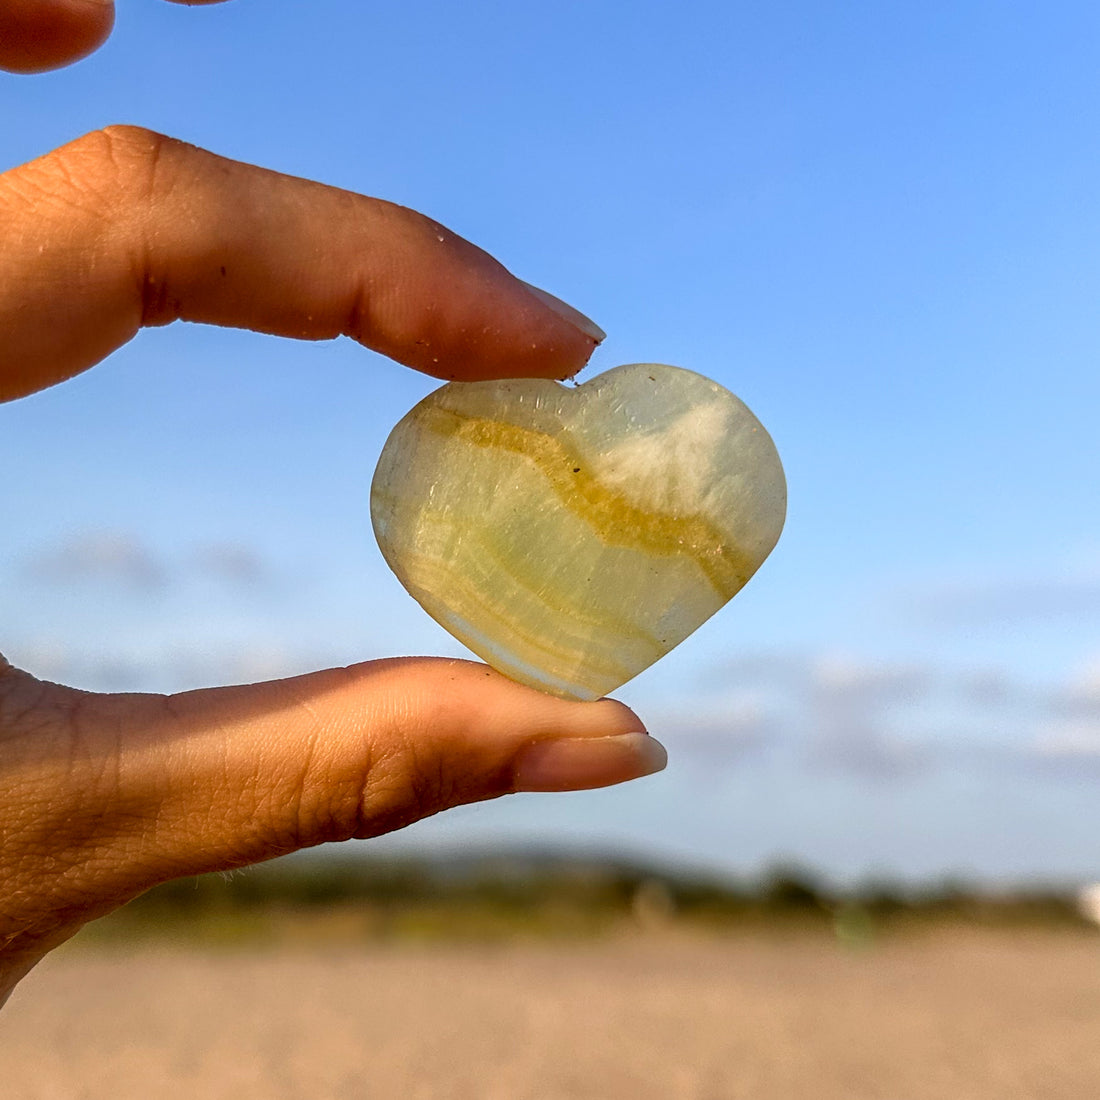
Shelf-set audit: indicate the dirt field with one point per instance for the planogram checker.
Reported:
(951, 1016)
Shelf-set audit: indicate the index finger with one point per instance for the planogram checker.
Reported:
(125, 228)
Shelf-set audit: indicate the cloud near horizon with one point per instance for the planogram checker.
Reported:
(1072, 593)
(97, 557)
(879, 722)
(123, 560)
(169, 668)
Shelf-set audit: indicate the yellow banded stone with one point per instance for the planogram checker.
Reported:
(571, 536)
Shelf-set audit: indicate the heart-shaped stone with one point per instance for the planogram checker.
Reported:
(571, 536)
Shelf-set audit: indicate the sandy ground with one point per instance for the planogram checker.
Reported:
(951, 1016)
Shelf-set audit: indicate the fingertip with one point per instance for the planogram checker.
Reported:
(542, 336)
(568, 313)
(614, 717)
(39, 35)
(466, 318)
(586, 763)
(442, 305)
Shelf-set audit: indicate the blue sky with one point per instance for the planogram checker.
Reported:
(877, 224)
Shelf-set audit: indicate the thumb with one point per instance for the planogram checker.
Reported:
(36, 35)
(125, 791)
(353, 753)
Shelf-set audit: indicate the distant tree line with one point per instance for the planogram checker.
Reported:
(501, 892)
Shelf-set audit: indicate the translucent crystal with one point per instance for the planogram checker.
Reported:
(571, 536)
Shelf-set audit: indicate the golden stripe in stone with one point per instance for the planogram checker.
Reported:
(595, 626)
(526, 646)
(612, 516)
(490, 550)
(580, 612)
(586, 605)
(583, 605)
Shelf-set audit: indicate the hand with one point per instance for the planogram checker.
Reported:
(103, 796)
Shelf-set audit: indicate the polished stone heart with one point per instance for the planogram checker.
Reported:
(571, 536)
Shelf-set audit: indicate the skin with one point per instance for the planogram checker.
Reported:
(103, 796)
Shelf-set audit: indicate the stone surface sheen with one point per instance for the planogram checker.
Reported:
(571, 536)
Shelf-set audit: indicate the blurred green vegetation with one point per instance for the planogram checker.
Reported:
(496, 896)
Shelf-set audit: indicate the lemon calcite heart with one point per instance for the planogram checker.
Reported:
(571, 536)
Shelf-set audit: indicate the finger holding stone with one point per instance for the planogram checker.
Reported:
(125, 228)
(106, 795)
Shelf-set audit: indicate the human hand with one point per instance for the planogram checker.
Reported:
(103, 796)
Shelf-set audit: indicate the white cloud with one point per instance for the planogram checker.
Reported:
(122, 559)
(1071, 593)
(1085, 686)
(231, 562)
(879, 721)
(730, 732)
(1070, 741)
(871, 754)
(1070, 730)
(114, 557)
(845, 676)
(166, 668)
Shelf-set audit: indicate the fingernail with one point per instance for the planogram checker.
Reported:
(566, 311)
(581, 763)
